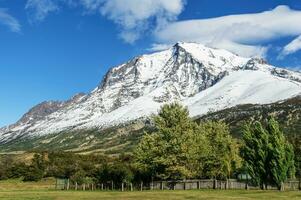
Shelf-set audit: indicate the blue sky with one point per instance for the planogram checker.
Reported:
(52, 49)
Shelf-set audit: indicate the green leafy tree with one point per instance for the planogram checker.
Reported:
(182, 149)
(268, 156)
(164, 153)
(223, 153)
(121, 173)
(295, 140)
(117, 173)
(281, 158)
(102, 174)
(36, 170)
(39, 161)
(79, 177)
(17, 170)
(198, 150)
(33, 174)
(255, 153)
(63, 165)
(6, 164)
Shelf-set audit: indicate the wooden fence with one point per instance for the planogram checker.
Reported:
(64, 184)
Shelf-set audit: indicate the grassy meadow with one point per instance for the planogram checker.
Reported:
(44, 190)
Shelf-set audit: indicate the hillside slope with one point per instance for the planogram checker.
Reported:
(123, 138)
(287, 113)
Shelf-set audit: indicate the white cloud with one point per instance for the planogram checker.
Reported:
(91, 5)
(136, 16)
(9, 21)
(293, 46)
(243, 34)
(159, 47)
(133, 16)
(39, 9)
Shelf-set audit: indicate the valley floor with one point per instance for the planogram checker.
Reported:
(16, 190)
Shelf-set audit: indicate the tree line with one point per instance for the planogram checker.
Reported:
(178, 149)
(182, 149)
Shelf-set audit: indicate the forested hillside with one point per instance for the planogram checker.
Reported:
(287, 113)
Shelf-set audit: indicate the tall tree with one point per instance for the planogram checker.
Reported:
(165, 152)
(281, 163)
(223, 156)
(295, 140)
(255, 152)
(182, 149)
(269, 157)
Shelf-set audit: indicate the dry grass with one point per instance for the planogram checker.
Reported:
(17, 185)
(16, 190)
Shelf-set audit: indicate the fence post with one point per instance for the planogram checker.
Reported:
(162, 187)
(84, 186)
(68, 184)
(227, 184)
(215, 184)
(199, 185)
(101, 186)
(122, 186)
(75, 185)
(282, 186)
(131, 185)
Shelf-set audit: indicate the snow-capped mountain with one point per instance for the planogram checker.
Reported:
(202, 78)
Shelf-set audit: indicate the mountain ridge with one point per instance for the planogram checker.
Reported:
(202, 78)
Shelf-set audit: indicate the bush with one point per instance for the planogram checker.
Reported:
(33, 174)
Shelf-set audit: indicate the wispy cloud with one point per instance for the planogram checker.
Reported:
(134, 17)
(159, 47)
(244, 34)
(91, 5)
(39, 9)
(292, 47)
(9, 21)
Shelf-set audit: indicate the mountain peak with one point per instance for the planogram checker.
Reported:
(202, 78)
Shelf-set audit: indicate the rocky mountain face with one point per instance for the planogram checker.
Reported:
(46, 108)
(202, 78)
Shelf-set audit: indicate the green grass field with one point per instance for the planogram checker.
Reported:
(16, 190)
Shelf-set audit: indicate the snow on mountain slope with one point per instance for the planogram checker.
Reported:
(242, 87)
(202, 78)
(239, 87)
